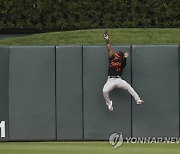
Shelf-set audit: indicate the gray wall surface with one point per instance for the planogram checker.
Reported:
(55, 93)
(156, 77)
(32, 93)
(99, 123)
(4, 83)
(69, 92)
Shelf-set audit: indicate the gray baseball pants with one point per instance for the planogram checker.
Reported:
(117, 83)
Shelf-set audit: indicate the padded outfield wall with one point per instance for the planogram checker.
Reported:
(55, 93)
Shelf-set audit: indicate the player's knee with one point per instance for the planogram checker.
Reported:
(105, 91)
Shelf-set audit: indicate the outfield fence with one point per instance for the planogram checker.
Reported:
(52, 93)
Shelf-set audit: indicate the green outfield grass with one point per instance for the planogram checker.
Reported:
(94, 37)
(86, 148)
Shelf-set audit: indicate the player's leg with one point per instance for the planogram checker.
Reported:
(107, 88)
(123, 84)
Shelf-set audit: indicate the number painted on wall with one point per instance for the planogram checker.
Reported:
(2, 126)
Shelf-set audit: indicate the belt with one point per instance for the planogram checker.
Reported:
(114, 76)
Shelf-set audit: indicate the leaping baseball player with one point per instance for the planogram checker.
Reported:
(117, 62)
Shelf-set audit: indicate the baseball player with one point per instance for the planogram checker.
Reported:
(117, 62)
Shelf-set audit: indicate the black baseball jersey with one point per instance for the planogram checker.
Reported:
(116, 66)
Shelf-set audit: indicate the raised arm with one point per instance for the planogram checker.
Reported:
(110, 51)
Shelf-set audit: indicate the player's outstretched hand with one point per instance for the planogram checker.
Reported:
(126, 54)
(105, 35)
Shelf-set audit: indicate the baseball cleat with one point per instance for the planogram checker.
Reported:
(110, 107)
(139, 102)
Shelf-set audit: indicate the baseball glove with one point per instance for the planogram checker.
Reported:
(105, 35)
